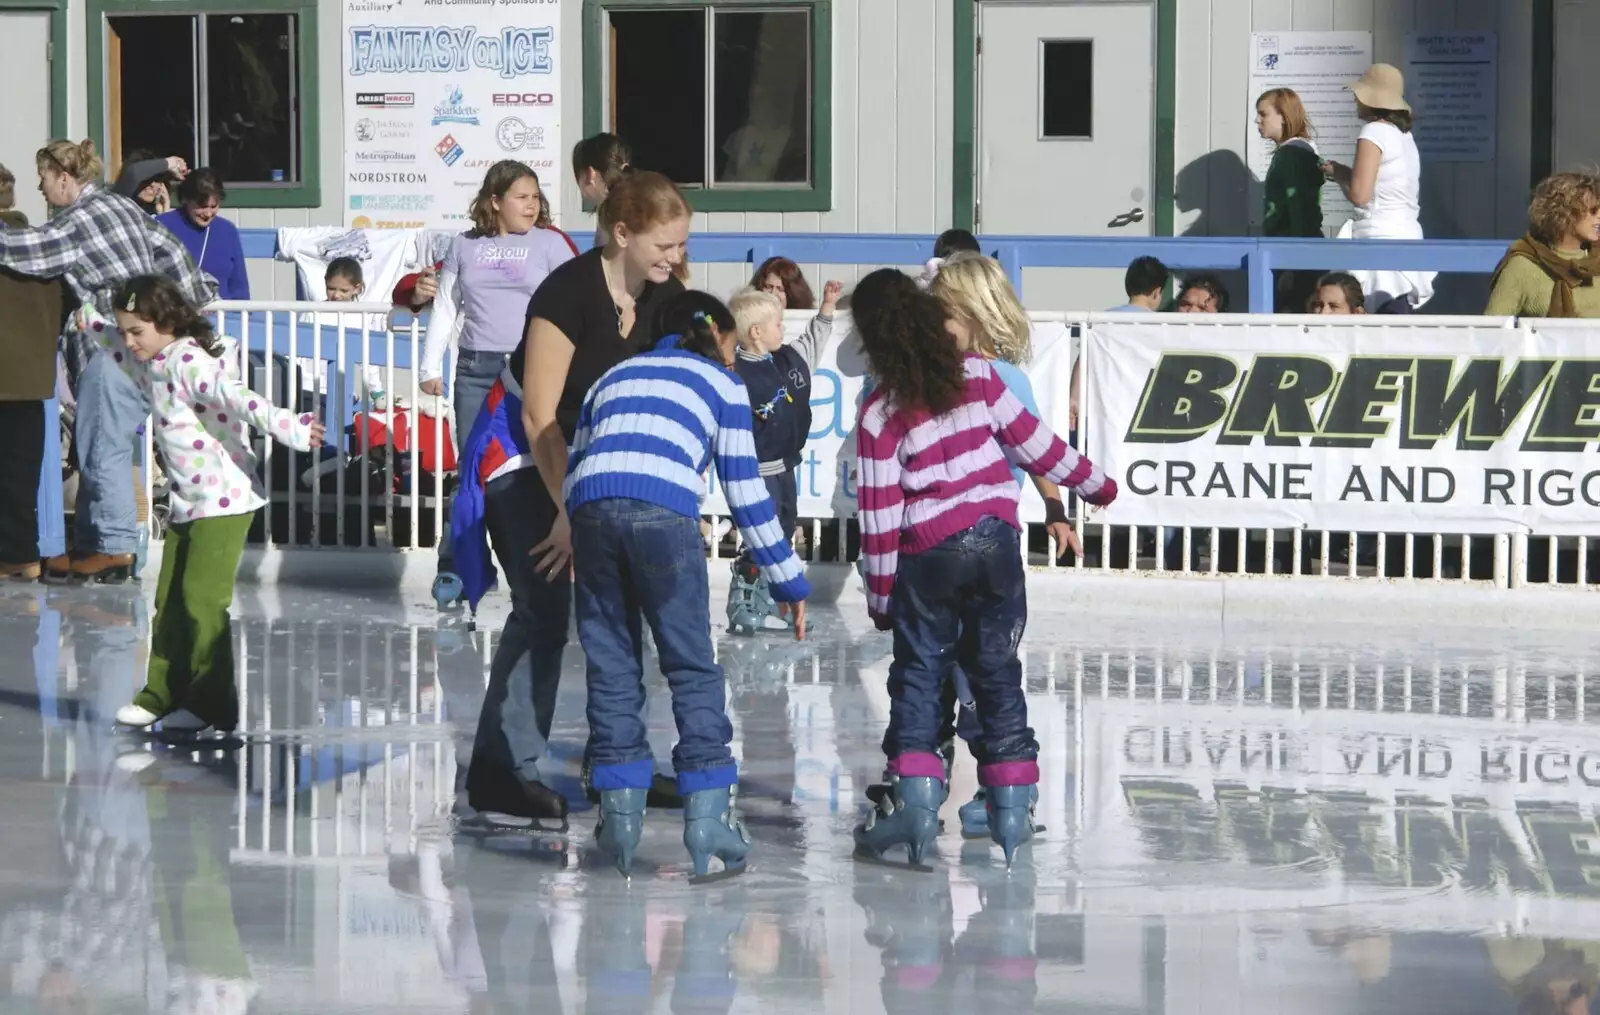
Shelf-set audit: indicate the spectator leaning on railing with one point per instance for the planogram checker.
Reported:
(1551, 271)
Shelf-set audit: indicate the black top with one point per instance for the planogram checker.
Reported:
(576, 299)
(780, 402)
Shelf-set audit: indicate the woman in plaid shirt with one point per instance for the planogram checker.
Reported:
(97, 241)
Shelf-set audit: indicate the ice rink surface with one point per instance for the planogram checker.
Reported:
(1286, 817)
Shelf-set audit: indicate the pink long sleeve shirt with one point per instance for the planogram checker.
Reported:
(924, 478)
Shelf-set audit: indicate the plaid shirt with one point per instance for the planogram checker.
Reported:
(96, 244)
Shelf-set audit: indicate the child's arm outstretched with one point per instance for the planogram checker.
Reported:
(739, 473)
(106, 337)
(881, 505)
(813, 342)
(206, 380)
(1037, 450)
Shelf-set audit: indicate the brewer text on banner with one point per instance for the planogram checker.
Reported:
(1479, 427)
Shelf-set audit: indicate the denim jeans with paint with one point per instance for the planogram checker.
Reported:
(520, 702)
(963, 603)
(111, 407)
(476, 373)
(635, 564)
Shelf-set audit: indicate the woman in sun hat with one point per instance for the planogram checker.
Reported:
(1385, 186)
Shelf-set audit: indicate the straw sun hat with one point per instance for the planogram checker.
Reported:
(1382, 87)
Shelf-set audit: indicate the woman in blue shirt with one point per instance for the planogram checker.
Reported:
(211, 240)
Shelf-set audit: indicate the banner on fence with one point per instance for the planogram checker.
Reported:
(435, 94)
(827, 473)
(1347, 428)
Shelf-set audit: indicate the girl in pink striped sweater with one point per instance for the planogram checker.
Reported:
(940, 537)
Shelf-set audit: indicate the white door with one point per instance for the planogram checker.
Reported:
(25, 116)
(1066, 118)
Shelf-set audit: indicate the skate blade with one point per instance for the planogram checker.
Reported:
(485, 828)
(199, 741)
(873, 860)
(1038, 830)
(725, 874)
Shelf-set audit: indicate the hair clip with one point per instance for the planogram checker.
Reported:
(699, 315)
(132, 299)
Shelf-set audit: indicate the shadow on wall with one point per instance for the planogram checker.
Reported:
(1219, 187)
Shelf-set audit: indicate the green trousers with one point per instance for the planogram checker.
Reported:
(191, 638)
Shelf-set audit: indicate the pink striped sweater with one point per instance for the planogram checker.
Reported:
(925, 478)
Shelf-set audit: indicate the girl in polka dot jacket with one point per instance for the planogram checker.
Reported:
(202, 416)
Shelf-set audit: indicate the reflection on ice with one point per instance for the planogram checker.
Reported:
(1364, 825)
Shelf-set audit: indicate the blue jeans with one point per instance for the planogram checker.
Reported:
(111, 408)
(520, 702)
(476, 373)
(963, 601)
(635, 564)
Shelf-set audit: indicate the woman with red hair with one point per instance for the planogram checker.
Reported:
(783, 278)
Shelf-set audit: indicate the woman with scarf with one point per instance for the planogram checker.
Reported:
(1551, 271)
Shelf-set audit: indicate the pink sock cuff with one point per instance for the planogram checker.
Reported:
(1009, 773)
(919, 764)
(917, 977)
(1020, 969)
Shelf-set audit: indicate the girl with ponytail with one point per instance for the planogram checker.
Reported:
(940, 536)
(646, 432)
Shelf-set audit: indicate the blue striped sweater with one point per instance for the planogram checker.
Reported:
(648, 429)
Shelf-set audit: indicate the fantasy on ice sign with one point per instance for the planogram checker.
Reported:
(1473, 429)
(435, 93)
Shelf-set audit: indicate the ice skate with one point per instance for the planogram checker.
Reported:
(621, 825)
(663, 794)
(1011, 816)
(447, 590)
(751, 608)
(712, 829)
(544, 810)
(975, 814)
(136, 717)
(908, 816)
(882, 791)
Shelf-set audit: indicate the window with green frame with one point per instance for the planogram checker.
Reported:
(236, 92)
(730, 98)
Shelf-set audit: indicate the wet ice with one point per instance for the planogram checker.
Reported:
(1354, 819)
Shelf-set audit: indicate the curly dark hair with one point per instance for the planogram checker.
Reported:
(914, 359)
(158, 300)
(691, 314)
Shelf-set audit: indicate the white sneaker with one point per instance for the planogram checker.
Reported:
(136, 716)
(183, 721)
(134, 763)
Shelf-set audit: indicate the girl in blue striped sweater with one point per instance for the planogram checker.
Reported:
(646, 433)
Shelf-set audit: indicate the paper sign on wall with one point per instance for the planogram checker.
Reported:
(1451, 83)
(1319, 66)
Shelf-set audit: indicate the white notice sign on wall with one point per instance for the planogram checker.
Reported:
(1319, 66)
(1451, 84)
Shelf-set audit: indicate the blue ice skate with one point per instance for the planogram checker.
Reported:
(1011, 817)
(712, 829)
(908, 817)
(751, 608)
(447, 590)
(621, 826)
(975, 814)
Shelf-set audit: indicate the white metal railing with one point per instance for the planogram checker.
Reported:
(329, 357)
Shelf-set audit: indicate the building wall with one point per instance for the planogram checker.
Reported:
(1459, 200)
(892, 106)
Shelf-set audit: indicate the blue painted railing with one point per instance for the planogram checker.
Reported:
(1257, 257)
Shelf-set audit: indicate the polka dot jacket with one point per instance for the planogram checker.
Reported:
(201, 415)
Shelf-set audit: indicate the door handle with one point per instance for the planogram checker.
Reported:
(1127, 218)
